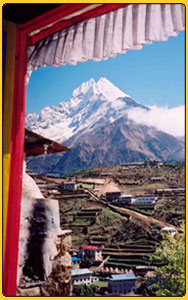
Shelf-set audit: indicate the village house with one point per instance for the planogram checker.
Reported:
(70, 186)
(106, 174)
(92, 252)
(113, 195)
(125, 199)
(110, 190)
(134, 165)
(54, 174)
(122, 284)
(171, 191)
(124, 168)
(157, 179)
(168, 230)
(147, 200)
(81, 276)
(129, 199)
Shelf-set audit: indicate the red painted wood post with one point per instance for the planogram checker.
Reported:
(16, 166)
(17, 146)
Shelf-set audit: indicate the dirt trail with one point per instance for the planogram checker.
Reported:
(102, 264)
(149, 221)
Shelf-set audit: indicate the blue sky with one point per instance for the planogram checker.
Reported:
(154, 75)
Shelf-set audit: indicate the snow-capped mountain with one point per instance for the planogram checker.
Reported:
(103, 87)
(92, 104)
(95, 124)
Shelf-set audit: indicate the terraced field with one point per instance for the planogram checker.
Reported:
(123, 240)
(128, 256)
(123, 233)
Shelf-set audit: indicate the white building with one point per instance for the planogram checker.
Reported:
(134, 164)
(145, 200)
(81, 276)
(92, 252)
(125, 199)
(168, 230)
(122, 284)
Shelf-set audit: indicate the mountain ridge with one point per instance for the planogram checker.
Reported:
(94, 123)
(89, 104)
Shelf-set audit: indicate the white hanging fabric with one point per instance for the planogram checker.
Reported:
(105, 36)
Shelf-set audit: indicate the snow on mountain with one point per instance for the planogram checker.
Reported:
(99, 124)
(102, 87)
(92, 104)
(109, 90)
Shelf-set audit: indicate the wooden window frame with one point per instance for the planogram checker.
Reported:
(23, 39)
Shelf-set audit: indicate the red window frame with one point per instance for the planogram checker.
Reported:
(18, 124)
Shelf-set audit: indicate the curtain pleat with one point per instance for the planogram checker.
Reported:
(105, 36)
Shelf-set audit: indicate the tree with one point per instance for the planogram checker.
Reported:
(170, 276)
(84, 290)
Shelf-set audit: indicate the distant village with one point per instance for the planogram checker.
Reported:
(89, 262)
(93, 232)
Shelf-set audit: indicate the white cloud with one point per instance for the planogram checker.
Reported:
(169, 120)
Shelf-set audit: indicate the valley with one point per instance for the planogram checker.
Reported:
(125, 233)
(120, 188)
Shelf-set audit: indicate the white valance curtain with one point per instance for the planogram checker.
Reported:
(107, 35)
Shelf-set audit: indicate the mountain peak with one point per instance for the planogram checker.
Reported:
(102, 87)
(109, 90)
(104, 80)
(84, 87)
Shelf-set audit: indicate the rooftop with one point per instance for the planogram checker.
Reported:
(81, 272)
(126, 195)
(112, 189)
(74, 258)
(168, 228)
(121, 277)
(85, 247)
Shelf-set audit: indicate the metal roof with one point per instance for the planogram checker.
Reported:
(80, 272)
(90, 248)
(168, 228)
(125, 196)
(121, 277)
(74, 258)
